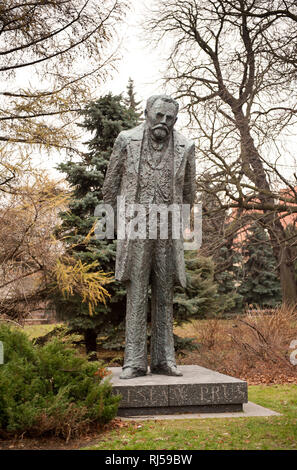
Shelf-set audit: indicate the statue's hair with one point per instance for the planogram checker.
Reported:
(166, 98)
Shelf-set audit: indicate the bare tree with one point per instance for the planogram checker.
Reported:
(234, 65)
(28, 250)
(52, 53)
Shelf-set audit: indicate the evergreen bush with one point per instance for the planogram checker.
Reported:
(50, 389)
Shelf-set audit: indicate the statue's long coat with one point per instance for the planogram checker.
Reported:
(122, 180)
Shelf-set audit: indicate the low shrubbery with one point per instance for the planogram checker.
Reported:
(266, 337)
(50, 389)
(255, 346)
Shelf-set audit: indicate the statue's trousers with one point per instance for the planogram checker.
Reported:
(152, 264)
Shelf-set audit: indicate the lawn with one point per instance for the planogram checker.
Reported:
(34, 331)
(215, 352)
(243, 433)
(256, 433)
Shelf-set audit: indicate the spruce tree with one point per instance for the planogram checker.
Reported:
(200, 298)
(228, 275)
(260, 282)
(130, 101)
(104, 118)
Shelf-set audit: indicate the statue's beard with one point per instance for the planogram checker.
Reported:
(160, 132)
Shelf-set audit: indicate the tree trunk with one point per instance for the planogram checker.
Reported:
(90, 336)
(254, 170)
(286, 266)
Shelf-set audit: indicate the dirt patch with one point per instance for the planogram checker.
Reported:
(56, 443)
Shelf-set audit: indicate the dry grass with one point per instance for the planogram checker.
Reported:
(266, 337)
(254, 346)
(72, 423)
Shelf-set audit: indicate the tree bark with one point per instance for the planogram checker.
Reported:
(90, 336)
(253, 169)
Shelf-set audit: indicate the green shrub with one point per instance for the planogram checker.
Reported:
(50, 389)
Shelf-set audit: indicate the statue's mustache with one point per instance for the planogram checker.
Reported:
(162, 127)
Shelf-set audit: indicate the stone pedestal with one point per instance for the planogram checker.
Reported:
(199, 390)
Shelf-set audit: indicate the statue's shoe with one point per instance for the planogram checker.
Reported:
(131, 372)
(166, 370)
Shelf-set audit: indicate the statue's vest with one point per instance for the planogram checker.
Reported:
(155, 177)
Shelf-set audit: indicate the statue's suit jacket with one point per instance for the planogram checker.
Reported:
(122, 179)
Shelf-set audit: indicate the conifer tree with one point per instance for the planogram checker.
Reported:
(260, 282)
(228, 275)
(130, 101)
(200, 298)
(104, 118)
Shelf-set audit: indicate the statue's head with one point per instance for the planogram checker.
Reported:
(161, 115)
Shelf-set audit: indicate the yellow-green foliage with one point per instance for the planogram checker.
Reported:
(76, 277)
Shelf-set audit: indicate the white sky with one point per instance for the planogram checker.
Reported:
(140, 62)
(145, 65)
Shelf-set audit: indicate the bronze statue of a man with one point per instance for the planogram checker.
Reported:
(151, 164)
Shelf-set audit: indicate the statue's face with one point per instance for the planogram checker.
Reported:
(161, 118)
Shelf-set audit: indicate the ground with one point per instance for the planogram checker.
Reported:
(259, 433)
(255, 349)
